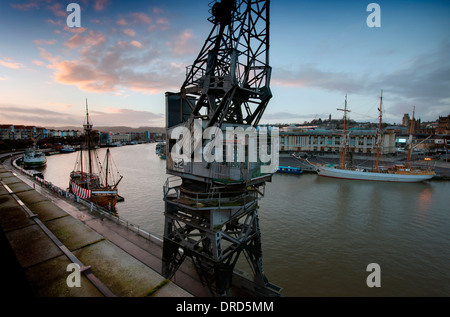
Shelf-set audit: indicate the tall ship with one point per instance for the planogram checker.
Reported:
(92, 180)
(396, 173)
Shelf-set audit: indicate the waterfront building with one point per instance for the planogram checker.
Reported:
(119, 138)
(361, 141)
(21, 132)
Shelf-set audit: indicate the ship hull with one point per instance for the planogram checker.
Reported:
(35, 163)
(102, 197)
(371, 176)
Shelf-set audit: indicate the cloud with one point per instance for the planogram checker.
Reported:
(57, 9)
(126, 117)
(90, 39)
(107, 66)
(21, 114)
(136, 43)
(423, 82)
(129, 32)
(9, 63)
(47, 42)
(310, 77)
(25, 6)
(121, 22)
(35, 116)
(100, 5)
(141, 18)
(289, 115)
(37, 62)
(183, 43)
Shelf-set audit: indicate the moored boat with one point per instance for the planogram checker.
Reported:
(161, 149)
(289, 170)
(32, 157)
(67, 149)
(91, 180)
(400, 173)
(397, 173)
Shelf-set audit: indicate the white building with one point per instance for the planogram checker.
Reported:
(361, 141)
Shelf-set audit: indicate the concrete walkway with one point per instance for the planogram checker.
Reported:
(47, 233)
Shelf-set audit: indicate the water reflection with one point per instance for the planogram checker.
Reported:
(318, 234)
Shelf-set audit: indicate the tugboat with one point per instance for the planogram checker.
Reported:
(91, 180)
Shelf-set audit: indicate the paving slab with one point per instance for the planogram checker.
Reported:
(7, 201)
(13, 217)
(47, 210)
(73, 233)
(32, 245)
(11, 180)
(122, 274)
(3, 191)
(49, 279)
(171, 290)
(5, 173)
(29, 197)
(18, 187)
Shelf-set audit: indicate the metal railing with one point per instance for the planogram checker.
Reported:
(93, 208)
(213, 199)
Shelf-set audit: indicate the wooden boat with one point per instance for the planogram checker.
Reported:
(91, 180)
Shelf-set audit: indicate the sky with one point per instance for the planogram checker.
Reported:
(127, 54)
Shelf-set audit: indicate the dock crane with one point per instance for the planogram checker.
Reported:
(211, 208)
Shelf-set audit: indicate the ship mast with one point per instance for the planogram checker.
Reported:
(379, 133)
(107, 161)
(88, 128)
(410, 137)
(344, 141)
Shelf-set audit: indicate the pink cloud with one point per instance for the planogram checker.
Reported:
(136, 43)
(25, 6)
(37, 62)
(182, 43)
(141, 18)
(57, 22)
(57, 9)
(121, 22)
(47, 42)
(101, 4)
(75, 30)
(9, 63)
(130, 32)
(90, 39)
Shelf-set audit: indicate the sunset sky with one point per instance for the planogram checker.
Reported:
(127, 54)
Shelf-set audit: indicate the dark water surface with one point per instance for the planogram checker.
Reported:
(318, 234)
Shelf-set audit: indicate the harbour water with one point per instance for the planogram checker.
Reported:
(318, 234)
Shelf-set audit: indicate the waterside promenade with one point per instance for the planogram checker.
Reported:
(42, 234)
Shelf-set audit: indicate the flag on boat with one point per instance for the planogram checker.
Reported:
(81, 192)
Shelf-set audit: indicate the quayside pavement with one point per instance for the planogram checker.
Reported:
(43, 233)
